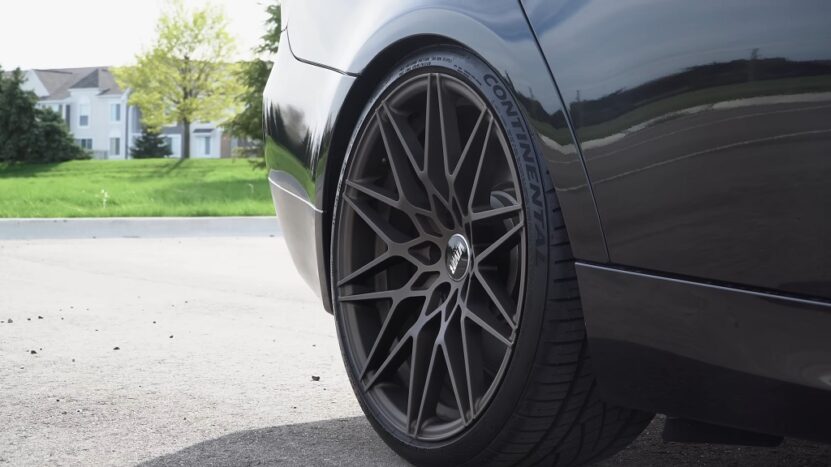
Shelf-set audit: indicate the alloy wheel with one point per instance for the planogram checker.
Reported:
(429, 265)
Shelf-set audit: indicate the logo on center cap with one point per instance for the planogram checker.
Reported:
(458, 257)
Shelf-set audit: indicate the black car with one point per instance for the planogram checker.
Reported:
(537, 223)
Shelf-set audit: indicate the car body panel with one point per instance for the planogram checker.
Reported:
(299, 128)
(706, 130)
(302, 124)
(706, 284)
(752, 360)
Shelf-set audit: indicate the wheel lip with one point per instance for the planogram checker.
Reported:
(506, 141)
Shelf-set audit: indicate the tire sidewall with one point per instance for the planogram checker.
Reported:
(473, 443)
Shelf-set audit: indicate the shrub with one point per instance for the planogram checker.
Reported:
(150, 145)
(29, 133)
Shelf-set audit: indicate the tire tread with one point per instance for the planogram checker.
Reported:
(561, 421)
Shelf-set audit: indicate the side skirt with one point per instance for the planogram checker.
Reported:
(749, 360)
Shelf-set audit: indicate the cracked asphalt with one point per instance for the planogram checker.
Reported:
(201, 350)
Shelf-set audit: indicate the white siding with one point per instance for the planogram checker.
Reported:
(102, 128)
(33, 83)
(199, 135)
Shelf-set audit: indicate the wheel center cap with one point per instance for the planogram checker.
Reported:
(457, 257)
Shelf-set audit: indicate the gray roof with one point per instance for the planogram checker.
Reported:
(89, 81)
(58, 82)
(173, 130)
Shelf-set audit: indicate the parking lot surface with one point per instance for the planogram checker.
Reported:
(201, 350)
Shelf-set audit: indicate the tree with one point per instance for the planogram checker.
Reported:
(254, 75)
(150, 145)
(29, 133)
(52, 141)
(188, 75)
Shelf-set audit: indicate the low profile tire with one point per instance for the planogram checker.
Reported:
(453, 282)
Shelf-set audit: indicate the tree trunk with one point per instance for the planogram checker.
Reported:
(186, 139)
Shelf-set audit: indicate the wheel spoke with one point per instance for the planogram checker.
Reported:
(369, 296)
(496, 213)
(458, 381)
(454, 354)
(401, 138)
(449, 123)
(374, 192)
(430, 392)
(401, 145)
(480, 163)
(487, 323)
(481, 125)
(396, 357)
(504, 303)
(507, 240)
(419, 370)
(371, 267)
(472, 360)
(435, 173)
(385, 338)
(390, 199)
(382, 228)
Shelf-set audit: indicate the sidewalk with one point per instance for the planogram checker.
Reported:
(164, 227)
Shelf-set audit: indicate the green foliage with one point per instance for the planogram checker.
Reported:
(17, 115)
(134, 188)
(254, 75)
(29, 133)
(274, 23)
(188, 75)
(249, 122)
(150, 145)
(52, 140)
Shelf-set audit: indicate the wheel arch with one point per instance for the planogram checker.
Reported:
(498, 34)
(362, 90)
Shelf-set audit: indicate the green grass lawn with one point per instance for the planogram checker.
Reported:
(135, 188)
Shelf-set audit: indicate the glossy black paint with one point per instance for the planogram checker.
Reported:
(750, 360)
(362, 41)
(299, 128)
(706, 131)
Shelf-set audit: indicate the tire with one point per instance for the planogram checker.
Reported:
(504, 281)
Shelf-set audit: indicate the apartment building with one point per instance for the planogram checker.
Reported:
(99, 116)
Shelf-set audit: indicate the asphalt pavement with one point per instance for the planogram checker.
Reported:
(199, 345)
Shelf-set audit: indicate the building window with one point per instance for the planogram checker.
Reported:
(115, 146)
(83, 115)
(135, 118)
(115, 113)
(85, 143)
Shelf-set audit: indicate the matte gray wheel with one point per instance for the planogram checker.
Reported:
(431, 266)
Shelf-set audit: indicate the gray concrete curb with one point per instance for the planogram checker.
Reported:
(162, 227)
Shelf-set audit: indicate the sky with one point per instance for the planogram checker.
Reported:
(80, 33)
